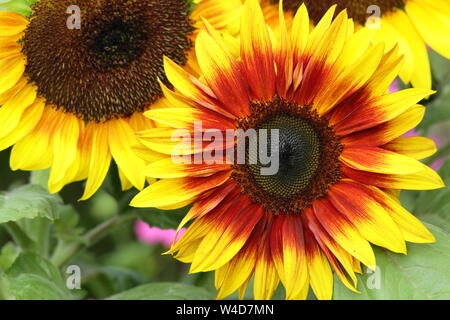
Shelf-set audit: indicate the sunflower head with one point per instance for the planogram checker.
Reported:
(341, 157)
(357, 9)
(308, 156)
(405, 23)
(75, 78)
(107, 67)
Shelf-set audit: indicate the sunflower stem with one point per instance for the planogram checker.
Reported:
(67, 250)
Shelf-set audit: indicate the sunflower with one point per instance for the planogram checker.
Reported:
(341, 156)
(75, 78)
(412, 24)
(222, 14)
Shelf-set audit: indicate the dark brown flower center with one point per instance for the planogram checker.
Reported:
(110, 66)
(298, 156)
(115, 44)
(307, 153)
(357, 9)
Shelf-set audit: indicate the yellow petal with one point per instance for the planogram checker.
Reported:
(407, 33)
(379, 160)
(256, 52)
(65, 148)
(320, 275)
(300, 31)
(236, 223)
(343, 232)
(351, 79)
(388, 131)
(11, 23)
(221, 72)
(121, 139)
(28, 122)
(387, 71)
(266, 278)
(35, 151)
(12, 110)
(156, 195)
(432, 23)
(412, 229)
(166, 168)
(235, 273)
(9, 49)
(425, 179)
(11, 69)
(367, 215)
(414, 147)
(100, 159)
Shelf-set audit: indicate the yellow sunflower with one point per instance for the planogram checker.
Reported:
(222, 14)
(75, 78)
(341, 156)
(409, 23)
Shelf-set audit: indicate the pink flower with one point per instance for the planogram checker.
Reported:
(153, 235)
(438, 164)
(411, 133)
(394, 86)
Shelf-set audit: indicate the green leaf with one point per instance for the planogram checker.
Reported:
(66, 226)
(422, 274)
(31, 277)
(164, 219)
(40, 177)
(122, 278)
(164, 291)
(29, 201)
(18, 6)
(109, 280)
(8, 255)
(192, 5)
(440, 66)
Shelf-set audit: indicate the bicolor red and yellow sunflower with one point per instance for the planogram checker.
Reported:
(342, 157)
(412, 24)
(76, 77)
